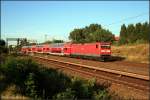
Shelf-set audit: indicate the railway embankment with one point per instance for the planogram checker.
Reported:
(129, 88)
(22, 78)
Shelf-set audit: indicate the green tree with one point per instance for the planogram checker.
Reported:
(91, 33)
(77, 35)
(2, 42)
(24, 42)
(134, 33)
(131, 34)
(138, 30)
(123, 34)
(104, 36)
(47, 42)
(93, 28)
(3, 48)
(57, 41)
(146, 31)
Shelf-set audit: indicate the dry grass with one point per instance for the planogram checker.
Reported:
(8, 94)
(135, 53)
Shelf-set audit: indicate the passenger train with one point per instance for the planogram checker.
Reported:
(98, 49)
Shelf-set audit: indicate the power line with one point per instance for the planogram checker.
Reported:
(132, 17)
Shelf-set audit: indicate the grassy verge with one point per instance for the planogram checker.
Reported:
(134, 52)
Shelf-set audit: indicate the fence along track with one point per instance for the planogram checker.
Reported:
(137, 81)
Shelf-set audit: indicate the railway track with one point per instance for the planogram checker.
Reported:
(136, 68)
(140, 82)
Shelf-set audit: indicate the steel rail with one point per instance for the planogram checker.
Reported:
(122, 73)
(98, 76)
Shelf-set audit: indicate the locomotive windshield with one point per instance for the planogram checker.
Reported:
(105, 46)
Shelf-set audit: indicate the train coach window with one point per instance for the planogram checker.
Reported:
(96, 46)
(105, 46)
(65, 48)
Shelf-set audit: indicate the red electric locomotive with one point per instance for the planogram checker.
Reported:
(98, 49)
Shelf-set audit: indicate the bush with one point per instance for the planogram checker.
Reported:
(102, 95)
(67, 95)
(38, 82)
(32, 80)
(82, 89)
(31, 86)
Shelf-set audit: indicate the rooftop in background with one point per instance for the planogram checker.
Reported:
(117, 38)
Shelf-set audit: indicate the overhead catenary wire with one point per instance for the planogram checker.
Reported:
(129, 18)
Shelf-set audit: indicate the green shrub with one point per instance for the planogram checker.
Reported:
(31, 86)
(140, 41)
(51, 81)
(101, 95)
(31, 80)
(38, 82)
(67, 95)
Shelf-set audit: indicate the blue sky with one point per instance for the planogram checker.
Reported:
(34, 19)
